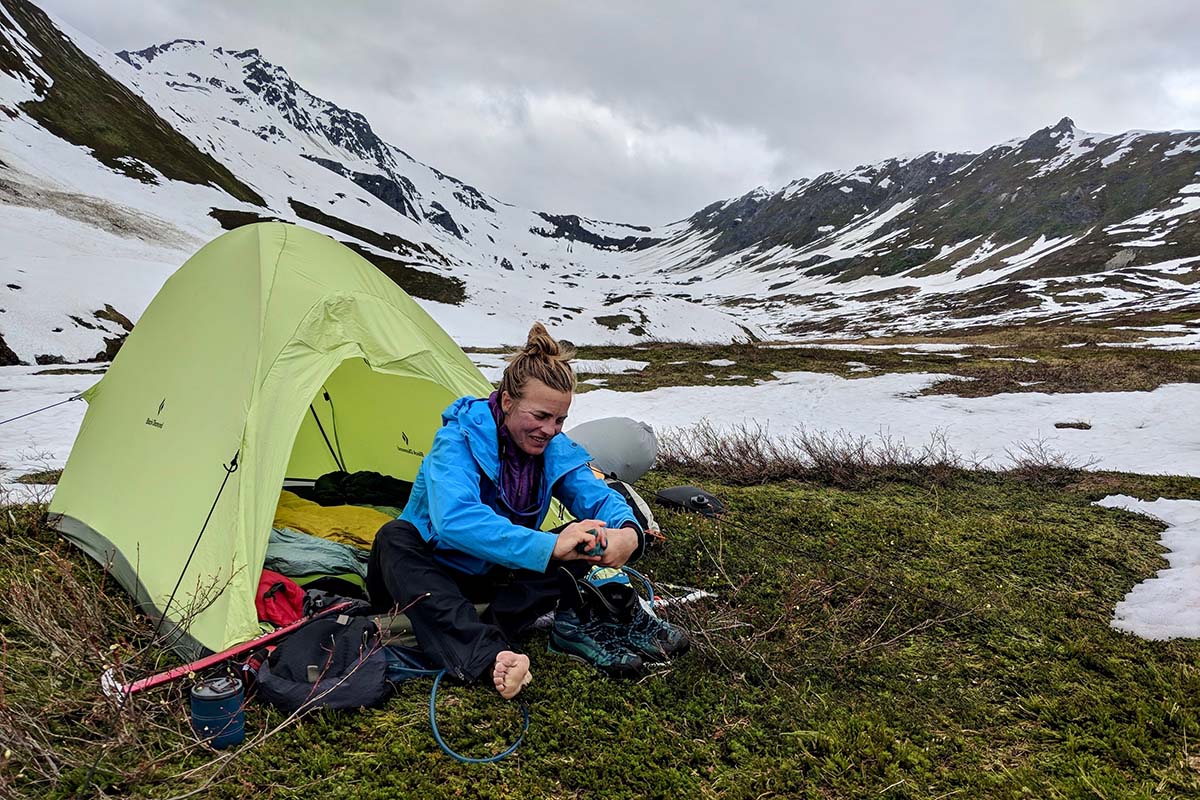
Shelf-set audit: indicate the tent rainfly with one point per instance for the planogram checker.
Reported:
(213, 401)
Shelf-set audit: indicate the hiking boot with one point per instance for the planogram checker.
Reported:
(650, 637)
(581, 632)
(670, 638)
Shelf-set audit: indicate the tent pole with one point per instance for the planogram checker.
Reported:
(321, 428)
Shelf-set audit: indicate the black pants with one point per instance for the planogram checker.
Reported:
(451, 633)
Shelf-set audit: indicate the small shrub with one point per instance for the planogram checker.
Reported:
(63, 623)
(1037, 462)
(747, 454)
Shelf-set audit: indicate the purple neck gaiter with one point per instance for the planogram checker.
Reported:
(520, 474)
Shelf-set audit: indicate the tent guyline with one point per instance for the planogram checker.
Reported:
(40, 410)
(229, 468)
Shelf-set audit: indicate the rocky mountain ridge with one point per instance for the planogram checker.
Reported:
(173, 142)
(1063, 224)
(340, 140)
(483, 267)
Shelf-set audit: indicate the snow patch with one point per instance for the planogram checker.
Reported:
(1186, 146)
(1166, 606)
(1131, 431)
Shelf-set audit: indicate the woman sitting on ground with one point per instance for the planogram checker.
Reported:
(470, 530)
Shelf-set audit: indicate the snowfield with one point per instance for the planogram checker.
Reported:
(1166, 606)
(1131, 431)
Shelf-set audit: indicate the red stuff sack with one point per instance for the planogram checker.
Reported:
(279, 600)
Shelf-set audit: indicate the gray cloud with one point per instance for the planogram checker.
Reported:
(648, 111)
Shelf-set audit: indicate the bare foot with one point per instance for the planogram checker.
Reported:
(511, 673)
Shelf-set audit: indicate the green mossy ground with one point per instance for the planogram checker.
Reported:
(976, 660)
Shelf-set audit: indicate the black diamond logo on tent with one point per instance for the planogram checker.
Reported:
(404, 436)
(161, 405)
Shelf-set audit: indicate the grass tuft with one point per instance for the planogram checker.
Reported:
(61, 624)
(994, 362)
(1036, 461)
(45, 476)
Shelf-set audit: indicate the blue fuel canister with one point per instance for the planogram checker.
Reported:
(217, 711)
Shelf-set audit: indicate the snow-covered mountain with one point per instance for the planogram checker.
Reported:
(114, 168)
(1063, 225)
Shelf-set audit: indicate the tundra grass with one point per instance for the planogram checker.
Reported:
(903, 641)
(1031, 364)
(41, 477)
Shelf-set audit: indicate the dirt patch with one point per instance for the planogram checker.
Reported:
(1083, 369)
(417, 282)
(70, 371)
(229, 220)
(112, 315)
(388, 242)
(110, 217)
(39, 478)
(112, 346)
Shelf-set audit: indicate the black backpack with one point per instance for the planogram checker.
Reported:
(339, 662)
(332, 662)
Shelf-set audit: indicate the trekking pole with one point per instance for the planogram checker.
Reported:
(114, 688)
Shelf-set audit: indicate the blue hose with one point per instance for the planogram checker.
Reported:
(398, 672)
(646, 581)
(403, 672)
(437, 736)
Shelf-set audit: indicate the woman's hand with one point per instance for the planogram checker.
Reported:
(621, 544)
(587, 532)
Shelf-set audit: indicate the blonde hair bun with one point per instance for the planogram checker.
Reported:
(542, 358)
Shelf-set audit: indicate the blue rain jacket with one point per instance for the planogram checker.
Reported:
(455, 500)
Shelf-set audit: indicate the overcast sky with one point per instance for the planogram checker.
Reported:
(647, 111)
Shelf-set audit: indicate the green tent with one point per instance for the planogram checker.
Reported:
(226, 362)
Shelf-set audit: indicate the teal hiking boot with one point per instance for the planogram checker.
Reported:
(580, 631)
(652, 638)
